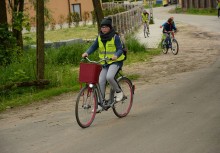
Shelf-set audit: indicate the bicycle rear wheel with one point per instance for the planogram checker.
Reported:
(175, 47)
(85, 109)
(164, 46)
(123, 107)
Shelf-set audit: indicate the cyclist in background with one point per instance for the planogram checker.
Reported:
(168, 27)
(109, 45)
(145, 20)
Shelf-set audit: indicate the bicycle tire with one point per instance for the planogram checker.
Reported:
(85, 103)
(123, 107)
(164, 47)
(175, 47)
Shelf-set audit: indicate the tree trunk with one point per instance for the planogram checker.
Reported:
(40, 39)
(69, 22)
(17, 7)
(183, 4)
(98, 12)
(205, 4)
(3, 12)
(20, 36)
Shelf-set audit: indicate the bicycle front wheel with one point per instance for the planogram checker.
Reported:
(175, 47)
(164, 46)
(86, 104)
(123, 107)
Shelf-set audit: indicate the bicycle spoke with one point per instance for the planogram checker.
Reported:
(164, 46)
(175, 47)
(85, 109)
(122, 108)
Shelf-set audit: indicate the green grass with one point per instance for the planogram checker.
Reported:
(211, 12)
(61, 69)
(83, 32)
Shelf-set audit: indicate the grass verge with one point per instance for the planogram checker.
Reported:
(194, 11)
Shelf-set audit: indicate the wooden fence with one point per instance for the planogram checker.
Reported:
(127, 21)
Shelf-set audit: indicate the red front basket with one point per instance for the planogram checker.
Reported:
(89, 72)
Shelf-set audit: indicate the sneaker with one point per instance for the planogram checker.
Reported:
(119, 96)
(98, 110)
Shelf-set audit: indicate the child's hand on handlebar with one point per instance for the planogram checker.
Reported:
(114, 58)
(85, 55)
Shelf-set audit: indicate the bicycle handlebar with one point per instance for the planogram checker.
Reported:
(97, 62)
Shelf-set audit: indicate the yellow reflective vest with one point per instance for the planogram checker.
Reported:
(108, 50)
(144, 17)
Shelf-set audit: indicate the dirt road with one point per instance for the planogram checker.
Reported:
(49, 126)
(198, 49)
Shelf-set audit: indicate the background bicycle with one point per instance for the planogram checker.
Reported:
(90, 94)
(172, 44)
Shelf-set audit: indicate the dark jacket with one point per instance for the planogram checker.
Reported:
(168, 27)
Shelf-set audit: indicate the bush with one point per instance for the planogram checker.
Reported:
(133, 44)
(8, 47)
(66, 54)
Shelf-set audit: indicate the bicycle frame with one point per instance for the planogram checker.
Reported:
(170, 35)
(101, 98)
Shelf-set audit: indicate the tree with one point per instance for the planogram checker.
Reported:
(69, 16)
(98, 12)
(17, 7)
(3, 12)
(8, 47)
(40, 39)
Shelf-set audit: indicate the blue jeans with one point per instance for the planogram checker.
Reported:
(167, 39)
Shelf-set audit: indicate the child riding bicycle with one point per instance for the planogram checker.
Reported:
(145, 20)
(109, 45)
(167, 28)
